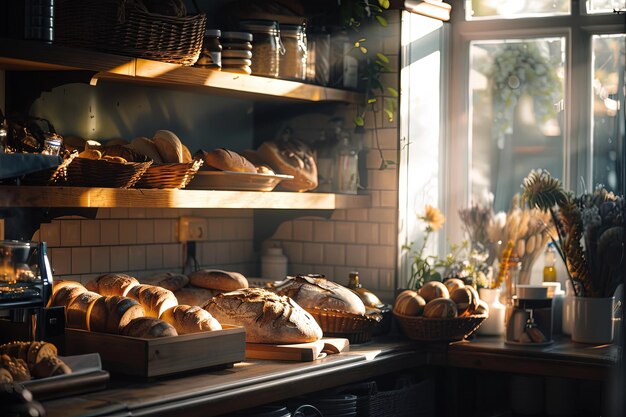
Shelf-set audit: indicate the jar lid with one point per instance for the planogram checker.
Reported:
(240, 36)
(274, 251)
(215, 33)
(261, 26)
(532, 292)
(291, 30)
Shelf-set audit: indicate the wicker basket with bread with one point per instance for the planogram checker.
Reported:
(439, 312)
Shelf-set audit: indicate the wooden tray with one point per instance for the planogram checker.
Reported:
(161, 356)
(302, 352)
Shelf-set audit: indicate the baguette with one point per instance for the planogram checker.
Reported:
(226, 160)
(155, 300)
(216, 279)
(115, 284)
(190, 319)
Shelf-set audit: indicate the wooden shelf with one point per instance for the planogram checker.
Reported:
(50, 197)
(28, 55)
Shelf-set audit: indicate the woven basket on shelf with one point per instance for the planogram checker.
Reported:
(84, 172)
(356, 328)
(169, 175)
(51, 176)
(439, 330)
(122, 27)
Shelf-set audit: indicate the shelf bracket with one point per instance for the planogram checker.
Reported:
(266, 221)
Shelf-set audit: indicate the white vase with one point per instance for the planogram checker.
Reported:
(593, 320)
(568, 309)
(494, 323)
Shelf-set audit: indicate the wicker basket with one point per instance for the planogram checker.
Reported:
(84, 172)
(439, 330)
(169, 175)
(121, 27)
(354, 327)
(51, 176)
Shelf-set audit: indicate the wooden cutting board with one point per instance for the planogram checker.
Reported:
(302, 352)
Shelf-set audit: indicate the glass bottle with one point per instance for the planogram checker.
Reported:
(346, 167)
(369, 298)
(549, 269)
(510, 286)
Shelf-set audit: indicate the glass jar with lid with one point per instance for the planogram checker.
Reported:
(266, 46)
(293, 61)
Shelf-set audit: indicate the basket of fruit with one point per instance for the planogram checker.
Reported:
(111, 167)
(440, 313)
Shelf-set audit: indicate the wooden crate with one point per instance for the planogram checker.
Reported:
(161, 356)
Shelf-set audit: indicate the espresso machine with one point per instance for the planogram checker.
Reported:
(25, 289)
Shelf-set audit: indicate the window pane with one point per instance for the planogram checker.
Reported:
(516, 122)
(515, 9)
(608, 114)
(604, 6)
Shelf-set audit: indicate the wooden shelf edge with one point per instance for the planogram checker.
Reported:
(49, 197)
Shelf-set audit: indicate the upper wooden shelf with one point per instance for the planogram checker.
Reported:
(49, 197)
(28, 55)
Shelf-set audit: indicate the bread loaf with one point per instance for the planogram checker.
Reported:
(17, 367)
(291, 157)
(58, 284)
(148, 328)
(314, 291)
(169, 280)
(50, 366)
(216, 279)
(146, 147)
(466, 300)
(155, 300)
(483, 307)
(190, 319)
(193, 296)
(453, 283)
(169, 146)
(226, 160)
(37, 351)
(432, 290)
(409, 303)
(111, 313)
(77, 313)
(115, 284)
(5, 376)
(186, 154)
(64, 295)
(440, 308)
(266, 317)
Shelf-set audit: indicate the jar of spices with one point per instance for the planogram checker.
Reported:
(266, 46)
(211, 55)
(293, 61)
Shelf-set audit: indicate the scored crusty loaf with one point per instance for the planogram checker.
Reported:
(17, 367)
(111, 313)
(169, 146)
(226, 160)
(193, 296)
(77, 313)
(29, 352)
(168, 280)
(148, 328)
(63, 296)
(314, 291)
(115, 284)
(266, 317)
(190, 319)
(292, 158)
(155, 300)
(216, 279)
(146, 146)
(50, 366)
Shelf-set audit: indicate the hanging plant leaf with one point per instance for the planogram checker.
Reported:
(371, 100)
(384, 3)
(393, 91)
(382, 57)
(381, 20)
(363, 49)
(359, 121)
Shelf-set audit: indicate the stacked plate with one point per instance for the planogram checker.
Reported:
(236, 52)
(343, 405)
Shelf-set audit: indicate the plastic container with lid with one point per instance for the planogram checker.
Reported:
(266, 46)
(211, 54)
(293, 61)
(274, 264)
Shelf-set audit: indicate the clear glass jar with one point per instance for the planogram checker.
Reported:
(293, 61)
(318, 56)
(211, 54)
(266, 46)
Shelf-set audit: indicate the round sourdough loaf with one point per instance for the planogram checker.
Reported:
(315, 291)
(216, 279)
(115, 284)
(266, 317)
(111, 313)
(169, 146)
(292, 158)
(226, 160)
(193, 296)
(155, 300)
(77, 313)
(190, 319)
(148, 328)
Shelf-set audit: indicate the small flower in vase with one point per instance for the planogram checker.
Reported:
(423, 267)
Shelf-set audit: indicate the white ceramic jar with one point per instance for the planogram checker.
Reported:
(274, 264)
(494, 323)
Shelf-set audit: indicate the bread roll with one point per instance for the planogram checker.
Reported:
(17, 367)
(115, 284)
(190, 319)
(169, 146)
(216, 279)
(466, 300)
(111, 313)
(314, 291)
(440, 308)
(292, 158)
(453, 283)
(64, 295)
(193, 296)
(155, 300)
(38, 351)
(146, 147)
(266, 317)
(409, 303)
(226, 160)
(77, 313)
(148, 328)
(50, 366)
(432, 290)
(169, 280)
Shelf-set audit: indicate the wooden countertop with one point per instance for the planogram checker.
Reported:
(257, 382)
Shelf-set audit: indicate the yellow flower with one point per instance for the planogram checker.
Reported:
(433, 218)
